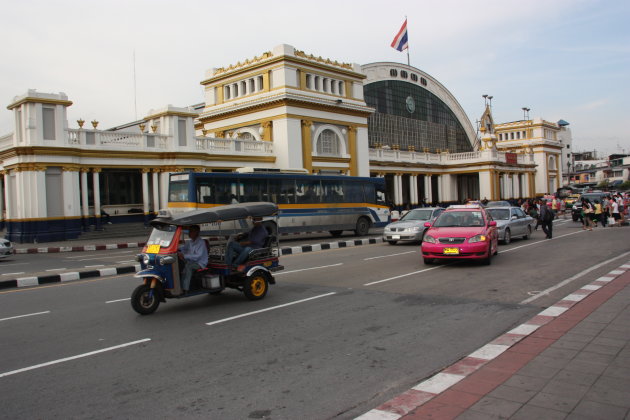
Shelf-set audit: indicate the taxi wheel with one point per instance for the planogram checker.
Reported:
(256, 286)
(428, 261)
(392, 242)
(529, 233)
(507, 237)
(142, 303)
(488, 259)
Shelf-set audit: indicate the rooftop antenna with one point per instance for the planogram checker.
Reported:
(526, 113)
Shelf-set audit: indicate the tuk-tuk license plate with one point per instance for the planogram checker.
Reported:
(451, 251)
(153, 249)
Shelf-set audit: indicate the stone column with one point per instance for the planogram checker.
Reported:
(485, 185)
(7, 195)
(428, 192)
(400, 190)
(2, 203)
(156, 190)
(307, 146)
(352, 143)
(145, 194)
(85, 208)
(96, 190)
(517, 186)
(412, 190)
(164, 179)
(267, 133)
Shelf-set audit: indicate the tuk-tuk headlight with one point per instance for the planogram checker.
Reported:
(138, 258)
(146, 259)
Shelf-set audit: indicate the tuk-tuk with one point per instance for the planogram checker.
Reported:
(161, 268)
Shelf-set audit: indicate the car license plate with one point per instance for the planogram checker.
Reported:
(153, 249)
(451, 251)
(395, 236)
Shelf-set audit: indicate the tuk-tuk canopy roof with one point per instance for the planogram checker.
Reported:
(220, 213)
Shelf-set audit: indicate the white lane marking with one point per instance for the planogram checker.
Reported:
(22, 316)
(403, 275)
(390, 255)
(574, 298)
(376, 414)
(7, 265)
(438, 383)
(574, 277)
(14, 274)
(97, 265)
(541, 241)
(269, 309)
(124, 262)
(524, 329)
(56, 269)
(117, 300)
(553, 311)
(78, 356)
(489, 351)
(306, 269)
(616, 272)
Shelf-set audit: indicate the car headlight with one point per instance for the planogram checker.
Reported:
(478, 238)
(415, 229)
(430, 239)
(146, 259)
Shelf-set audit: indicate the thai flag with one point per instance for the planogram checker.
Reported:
(400, 41)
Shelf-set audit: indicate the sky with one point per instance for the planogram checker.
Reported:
(563, 59)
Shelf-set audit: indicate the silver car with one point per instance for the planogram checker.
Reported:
(6, 248)
(511, 222)
(410, 227)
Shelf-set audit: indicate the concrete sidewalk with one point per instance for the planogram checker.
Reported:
(75, 245)
(571, 361)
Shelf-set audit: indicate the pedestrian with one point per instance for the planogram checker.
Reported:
(533, 213)
(546, 220)
(605, 210)
(597, 213)
(587, 209)
(615, 213)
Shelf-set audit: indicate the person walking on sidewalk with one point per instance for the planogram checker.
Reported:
(546, 220)
(597, 214)
(615, 212)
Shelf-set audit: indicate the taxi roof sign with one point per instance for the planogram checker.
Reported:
(464, 206)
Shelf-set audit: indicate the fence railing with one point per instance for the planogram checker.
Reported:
(406, 156)
(122, 140)
(6, 141)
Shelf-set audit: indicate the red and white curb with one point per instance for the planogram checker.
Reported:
(428, 389)
(56, 249)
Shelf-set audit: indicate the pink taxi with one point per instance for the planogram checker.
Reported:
(461, 232)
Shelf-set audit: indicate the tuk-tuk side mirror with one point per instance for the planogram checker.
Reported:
(427, 224)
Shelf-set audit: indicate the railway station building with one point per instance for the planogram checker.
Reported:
(283, 109)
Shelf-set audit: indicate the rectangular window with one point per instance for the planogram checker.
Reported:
(353, 192)
(181, 131)
(54, 192)
(253, 190)
(333, 191)
(308, 191)
(49, 123)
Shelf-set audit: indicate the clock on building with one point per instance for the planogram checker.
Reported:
(411, 104)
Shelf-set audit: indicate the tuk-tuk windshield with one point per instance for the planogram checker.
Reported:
(162, 235)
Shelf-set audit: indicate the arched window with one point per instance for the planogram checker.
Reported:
(227, 92)
(342, 88)
(252, 86)
(317, 83)
(260, 83)
(309, 81)
(552, 162)
(243, 87)
(246, 136)
(328, 143)
(393, 72)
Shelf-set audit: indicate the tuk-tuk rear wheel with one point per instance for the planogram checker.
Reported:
(142, 302)
(256, 286)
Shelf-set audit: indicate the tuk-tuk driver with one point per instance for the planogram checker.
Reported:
(238, 251)
(194, 255)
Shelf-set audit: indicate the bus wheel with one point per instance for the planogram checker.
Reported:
(336, 233)
(363, 227)
(144, 302)
(255, 286)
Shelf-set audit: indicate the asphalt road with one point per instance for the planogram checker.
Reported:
(25, 265)
(341, 332)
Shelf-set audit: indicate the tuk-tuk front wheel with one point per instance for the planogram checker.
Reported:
(144, 301)
(256, 286)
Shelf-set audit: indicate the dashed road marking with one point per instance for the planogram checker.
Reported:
(23, 316)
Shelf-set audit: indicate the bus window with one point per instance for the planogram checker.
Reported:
(353, 192)
(332, 192)
(308, 191)
(225, 191)
(369, 191)
(253, 190)
(178, 191)
(205, 193)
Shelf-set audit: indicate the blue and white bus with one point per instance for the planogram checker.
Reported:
(307, 203)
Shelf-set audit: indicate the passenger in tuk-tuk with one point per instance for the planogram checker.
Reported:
(193, 255)
(238, 251)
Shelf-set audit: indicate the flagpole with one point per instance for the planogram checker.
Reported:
(408, 62)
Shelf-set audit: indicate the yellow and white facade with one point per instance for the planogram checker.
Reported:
(284, 109)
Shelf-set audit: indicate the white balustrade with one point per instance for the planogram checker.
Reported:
(6, 141)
